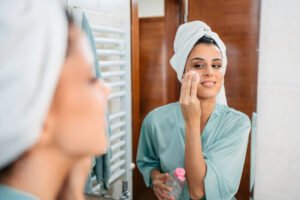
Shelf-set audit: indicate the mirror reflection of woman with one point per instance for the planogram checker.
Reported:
(197, 133)
(52, 119)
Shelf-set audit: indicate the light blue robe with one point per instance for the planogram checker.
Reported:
(224, 144)
(9, 193)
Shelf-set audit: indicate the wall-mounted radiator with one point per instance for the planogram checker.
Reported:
(111, 39)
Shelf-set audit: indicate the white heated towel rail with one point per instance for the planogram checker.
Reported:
(115, 70)
(113, 51)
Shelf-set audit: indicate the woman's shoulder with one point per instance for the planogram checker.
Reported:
(233, 115)
(163, 113)
(165, 109)
(231, 122)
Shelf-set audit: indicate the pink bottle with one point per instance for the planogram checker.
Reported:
(176, 182)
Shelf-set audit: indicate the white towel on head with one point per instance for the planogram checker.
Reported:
(186, 37)
(33, 38)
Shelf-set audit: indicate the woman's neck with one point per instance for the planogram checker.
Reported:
(207, 108)
(40, 172)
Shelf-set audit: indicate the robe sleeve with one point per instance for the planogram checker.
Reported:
(147, 158)
(225, 160)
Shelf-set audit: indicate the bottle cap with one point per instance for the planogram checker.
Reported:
(179, 172)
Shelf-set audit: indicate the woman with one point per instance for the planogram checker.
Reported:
(52, 117)
(197, 133)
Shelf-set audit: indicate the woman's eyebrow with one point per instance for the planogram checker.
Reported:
(202, 59)
(217, 59)
(198, 58)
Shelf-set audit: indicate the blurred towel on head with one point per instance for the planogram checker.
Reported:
(33, 36)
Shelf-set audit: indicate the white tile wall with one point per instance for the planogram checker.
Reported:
(278, 140)
(279, 42)
(278, 119)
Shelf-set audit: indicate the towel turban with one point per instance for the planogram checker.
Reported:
(33, 38)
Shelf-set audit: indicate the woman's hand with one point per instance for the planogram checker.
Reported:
(160, 188)
(189, 102)
(75, 181)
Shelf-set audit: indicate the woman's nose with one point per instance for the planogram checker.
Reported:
(208, 71)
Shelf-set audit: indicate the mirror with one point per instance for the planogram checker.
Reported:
(154, 83)
(238, 26)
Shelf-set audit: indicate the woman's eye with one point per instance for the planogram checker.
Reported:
(217, 66)
(198, 66)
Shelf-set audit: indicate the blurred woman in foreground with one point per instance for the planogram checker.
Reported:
(52, 107)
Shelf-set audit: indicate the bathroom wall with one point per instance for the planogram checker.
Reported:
(278, 134)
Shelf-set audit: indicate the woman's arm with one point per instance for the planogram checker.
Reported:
(148, 162)
(194, 160)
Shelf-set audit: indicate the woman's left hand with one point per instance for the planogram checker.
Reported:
(189, 102)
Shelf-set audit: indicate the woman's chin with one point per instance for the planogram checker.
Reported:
(207, 96)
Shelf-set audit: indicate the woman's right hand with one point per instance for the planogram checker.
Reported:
(189, 102)
(160, 188)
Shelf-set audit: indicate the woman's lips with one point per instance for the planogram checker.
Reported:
(208, 84)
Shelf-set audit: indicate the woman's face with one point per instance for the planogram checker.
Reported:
(206, 61)
(77, 115)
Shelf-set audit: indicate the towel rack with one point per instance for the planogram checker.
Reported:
(112, 45)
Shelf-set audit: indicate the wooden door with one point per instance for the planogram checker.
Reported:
(154, 81)
(237, 23)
